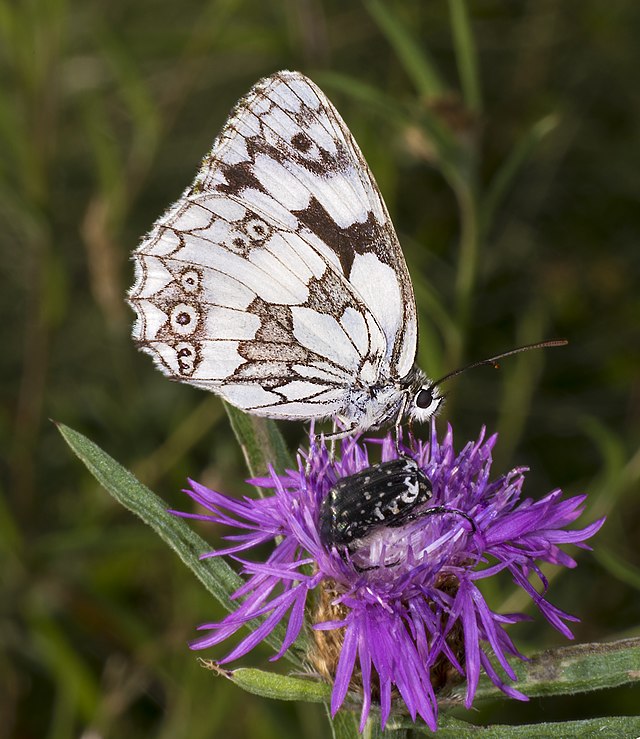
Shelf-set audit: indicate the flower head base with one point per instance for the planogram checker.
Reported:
(397, 613)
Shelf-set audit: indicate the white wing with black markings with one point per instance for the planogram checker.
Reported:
(277, 280)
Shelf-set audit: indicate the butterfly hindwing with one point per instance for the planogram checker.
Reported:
(277, 279)
(229, 300)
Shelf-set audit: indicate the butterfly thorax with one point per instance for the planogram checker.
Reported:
(382, 404)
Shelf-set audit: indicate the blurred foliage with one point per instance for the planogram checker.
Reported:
(507, 153)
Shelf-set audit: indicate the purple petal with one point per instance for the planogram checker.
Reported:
(471, 643)
(296, 619)
(495, 679)
(345, 667)
(364, 658)
(397, 618)
(486, 617)
(255, 637)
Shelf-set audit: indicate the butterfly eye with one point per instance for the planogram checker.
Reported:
(424, 398)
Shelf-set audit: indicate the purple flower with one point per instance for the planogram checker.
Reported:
(399, 614)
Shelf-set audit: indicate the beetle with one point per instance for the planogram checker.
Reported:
(388, 494)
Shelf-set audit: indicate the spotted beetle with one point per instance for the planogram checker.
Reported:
(388, 494)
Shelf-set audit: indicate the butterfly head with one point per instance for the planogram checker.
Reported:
(424, 400)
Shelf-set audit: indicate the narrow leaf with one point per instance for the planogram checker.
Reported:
(413, 56)
(576, 669)
(447, 151)
(261, 442)
(214, 573)
(373, 730)
(509, 169)
(69, 669)
(345, 725)
(466, 55)
(609, 726)
(619, 567)
(135, 94)
(384, 105)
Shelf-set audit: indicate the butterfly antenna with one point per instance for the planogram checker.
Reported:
(495, 360)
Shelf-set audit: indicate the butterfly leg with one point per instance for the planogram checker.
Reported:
(317, 440)
(397, 427)
(333, 437)
(337, 435)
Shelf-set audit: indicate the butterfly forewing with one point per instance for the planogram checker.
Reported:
(277, 280)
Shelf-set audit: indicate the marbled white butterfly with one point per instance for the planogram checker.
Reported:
(277, 280)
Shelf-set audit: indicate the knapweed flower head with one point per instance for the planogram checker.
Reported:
(398, 615)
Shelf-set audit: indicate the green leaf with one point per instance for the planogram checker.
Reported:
(273, 685)
(466, 55)
(600, 728)
(345, 725)
(261, 442)
(384, 105)
(104, 144)
(373, 729)
(70, 670)
(214, 573)
(613, 452)
(618, 567)
(573, 669)
(504, 177)
(448, 153)
(413, 56)
(576, 669)
(141, 108)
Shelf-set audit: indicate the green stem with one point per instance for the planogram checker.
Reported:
(410, 50)
(373, 731)
(466, 55)
(468, 253)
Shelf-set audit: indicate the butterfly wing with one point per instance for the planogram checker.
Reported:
(277, 280)
(230, 300)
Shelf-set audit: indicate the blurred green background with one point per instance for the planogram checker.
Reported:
(510, 163)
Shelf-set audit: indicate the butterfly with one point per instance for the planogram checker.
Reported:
(277, 280)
